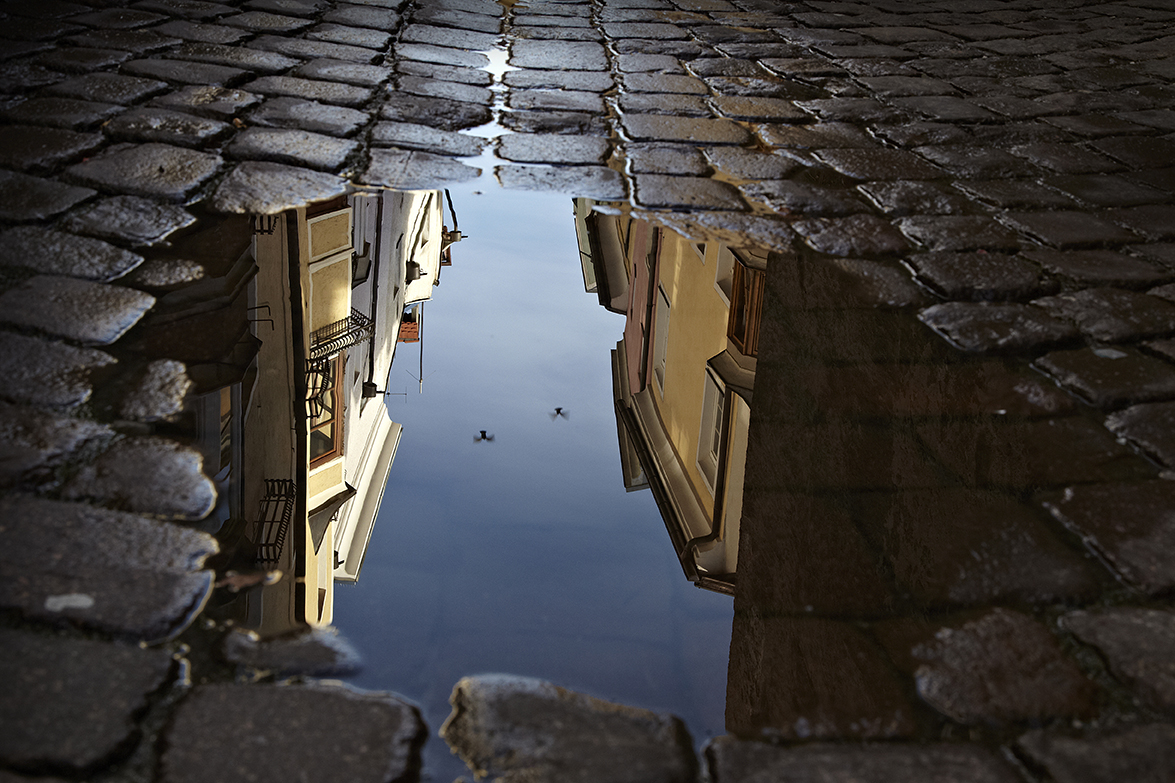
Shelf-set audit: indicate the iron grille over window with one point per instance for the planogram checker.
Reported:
(333, 338)
(273, 520)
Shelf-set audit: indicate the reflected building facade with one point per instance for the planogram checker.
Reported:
(304, 435)
(683, 375)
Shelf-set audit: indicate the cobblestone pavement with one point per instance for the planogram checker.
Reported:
(969, 195)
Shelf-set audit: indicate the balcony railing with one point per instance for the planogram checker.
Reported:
(273, 520)
(333, 338)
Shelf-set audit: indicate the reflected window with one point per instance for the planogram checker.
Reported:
(724, 274)
(326, 425)
(661, 337)
(746, 307)
(710, 437)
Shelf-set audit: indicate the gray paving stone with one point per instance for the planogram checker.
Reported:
(136, 41)
(703, 131)
(1154, 221)
(180, 72)
(1112, 314)
(1143, 753)
(576, 123)
(665, 83)
(461, 20)
(117, 18)
(314, 652)
(441, 55)
(1139, 644)
(158, 393)
(293, 7)
(27, 29)
(820, 136)
(1004, 666)
(38, 441)
(792, 198)
(1110, 377)
(448, 37)
(439, 113)
(921, 133)
(1065, 158)
(107, 88)
(454, 91)
(645, 158)
(680, 106)
(556, 100)
(679, 49)
(307, 49)
(1013, 193)
(234, 56)
(264, 22)
(852, 110)
(975, 162)
(912, 197)
(1144, 426)
(553, 148)
(80, 310)
(764, 87)
(559, 55)
(227, 731)
(1138, 151)
(307, 115)
(881, 163)
(20, 76)
(1100, 267)
(1094, 125)
(414, 170)
(959, 232)
(296, 147)
(167, 127)
(351, 36)
(733, 760)
(24, 198)
(1105, 190)
(762, 109)
(583, 81)
(363, 16)
(853, 236)
(341, 71)
(129, 219)
(517, 727)
(188, 9)
(72, 703)
(1067, 228)
(46, 373)
(749, 164)
(201, 33)
(152, 170)
(311, 90)
(257, 188)
(220, 102)
(978, 275)
(657, 191)
(453, 73)
(55, 252)
(113, 571)
(421, 137)
(987, 328)
(594, 182)
(647, 63)
(147, 475)
(81, 60)
(164, 274)
(550, 33)
(1128, 524)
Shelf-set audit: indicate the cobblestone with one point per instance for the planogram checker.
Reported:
(56, 252)
(296, 147)
(1111, 377)
(1141, 753)
(167, 127)
(24, 198)
(1139, 644)
(88, 312)
(151, 170)
(268, 188)
(43, 372)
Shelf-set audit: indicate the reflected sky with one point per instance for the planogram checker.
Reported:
(524, 555)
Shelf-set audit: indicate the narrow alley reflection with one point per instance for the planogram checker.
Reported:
(682, 375)
(292, 422)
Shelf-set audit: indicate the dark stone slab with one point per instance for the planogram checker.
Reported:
(167, 127)
(363, 16)
(73, 703)
(307, 115)
(227, 732)
(680, 106)
(313, 652)
(117, 18)
(268, 188)
(93, 313)
(559, 55)
(78, 59)
(749, 164)
(60, 112)
(1139, 645)
(1146, 426)
(1065, 158)
(575, 123)
(460, 20)
(582, 81)
(115, 572)
(220, 102)
(1067, 228)
(773, 87)
(857, 235)
(553, 148)
(556, 100)
(153, 170)
(351, 36)
(19, 76)
(1016, 194)
(522, 728)
(342, 71)
(181, 72)
(296, 147)
(1155, 221)
(264, 22)
(1143, 753)
(657, 128)
(1130, 524)
(799, 678)
(44, 372)
(552, 33)
(646, 158)
(307, 49)
(657, 191)
(1112, 314)
(24, 198)
(1144, 152)
(792, 198)
(823, 135)
(186, 9)
(413, 170)
(37, 442)
(1004, 666)
(436, 52)
(56, 252)
(311, 90)
(234, 56)
(454, 91)
(977, 276)
(754, 108)
(680, 49)
(912, 197)
(129, 219)
(974, 161)
(157, 393)
(665, 83)
(731, 760)
(1105, 190)
(438, 113)
(452, 73)
(954, 233)
(293, 7)
(595, 182)
(202, 33)
(421, 137)
(107, 88)
(879, 163)
(996, 327)
(136, 41)
(852, 110)
(1111, 377)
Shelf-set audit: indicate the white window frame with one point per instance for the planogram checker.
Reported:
(661, 337)
(710, 431)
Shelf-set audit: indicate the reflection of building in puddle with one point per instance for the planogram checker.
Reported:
(682, 376)
(304, 439)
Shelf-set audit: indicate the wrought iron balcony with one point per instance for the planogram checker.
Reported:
(333, 338)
